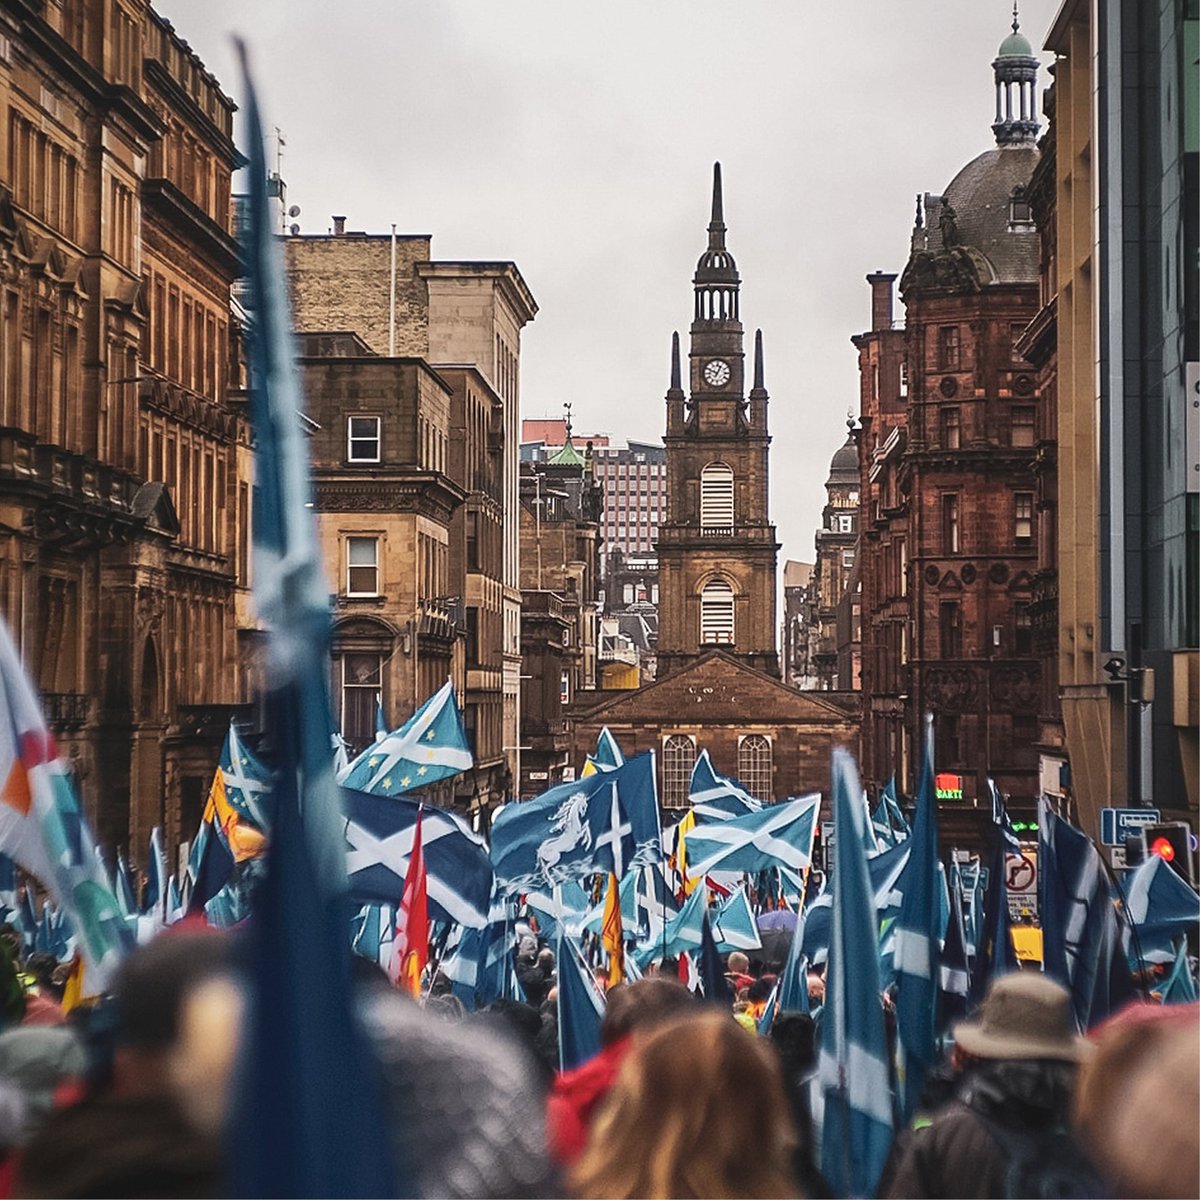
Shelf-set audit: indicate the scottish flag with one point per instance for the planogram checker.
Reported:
(379, 840)
(816, 928)
(480, 966)
(733, 925)
(565, 906)
(715, 798)
(683, 933)
(580, 1008)
(852, 1069)
(1161, 908)
(1000, 817)
(608, 756)
(606, 822)
(430, 746)
(888, 820)
(917, 931)
(954, 975)
(154, 902)
(781, 834)
(994, 955)
(792, 990)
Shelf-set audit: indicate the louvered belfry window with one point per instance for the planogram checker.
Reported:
(716, 613)
(716, 498)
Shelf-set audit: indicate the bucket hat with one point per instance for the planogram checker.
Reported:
(1024, 1015)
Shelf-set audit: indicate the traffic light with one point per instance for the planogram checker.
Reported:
(1170, 842)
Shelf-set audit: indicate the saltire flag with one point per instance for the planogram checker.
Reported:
(367, 933)
(379, 836)
(733, 924)
(42, 828)
(480, 965)
(713, 797)
(1160, 907)
(429, 747)
(917, 933)
(995, 955)
(1074, 907)
(779, 834)
(608, 756)
(209, 867)
(871, 843)
(1000, 817)
(611, 935)
(381, 729)
(123, 889)
(852, 1068)
(713, 983)
(564, 906)
(154, 900)
(1180, 986)
(889, 820)
(816, 928)
(684, 932)
(175, 909)
(792, 991)
(341, 754)
(308, 1112)
(410, 937)
(954, 975)
(607, 822)
(580, 1008)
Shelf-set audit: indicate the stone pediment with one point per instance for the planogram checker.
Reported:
(719, 689)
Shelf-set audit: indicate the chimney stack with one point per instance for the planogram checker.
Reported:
(881, 300)
(339, 227)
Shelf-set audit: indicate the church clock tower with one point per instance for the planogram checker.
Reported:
(717, 548)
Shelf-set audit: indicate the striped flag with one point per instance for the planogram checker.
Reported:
(713, 797)
(779, 834)
(733, 924)
(608, 756)
(852, 1069)
(580, 1007)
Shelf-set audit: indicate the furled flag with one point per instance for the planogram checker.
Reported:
(430, 746)
(995, 955)
(917, 930)
(852, 1069)
(123, 889)
(954, 976)
(612, 937)
(792, 991)
(308, 1113)
(1160, 908)
(1180, 986)
(733, 924)
(381, 729)
(42, 828)
(580, 1008)
(410, 941)
(154, 900)
(713, 983)
(780, 834)
(713, 797)
(1000, 817)
(607, 822)
(608, 756)
(379, 833)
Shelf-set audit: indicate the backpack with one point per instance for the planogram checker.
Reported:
(1046, 1165)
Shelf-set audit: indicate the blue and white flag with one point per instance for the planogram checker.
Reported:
(781, 834)
(852, 1069)
(1180, 986)
(888, 819)
(1000, 817)
(733, 924)
(608, 756)
(430, 746)
(715, 798)
(917, 932)
(123, 890)
(379, 840)
(154, 901)
(954, 974)
(682, 933)
(995, 955)
(480, 966)
(606, 822)
(1161, 908)
(816, 928)
(580, 1008)
(381, 729)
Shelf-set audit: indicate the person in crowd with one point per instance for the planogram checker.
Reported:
(1137, 1106)
(534, 981)
(758, 994)
(139, 1133)
(43, 998)
(1007, 1130)
(698, 1109)
(521, 1024)
(794, 1037)
(12, 991)
(737, 971)
(576, 1094)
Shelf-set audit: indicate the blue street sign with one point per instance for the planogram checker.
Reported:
(1116, 824)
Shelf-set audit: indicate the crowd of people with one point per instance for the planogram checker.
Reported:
(131, 1096)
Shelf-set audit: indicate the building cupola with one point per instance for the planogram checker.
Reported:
(716, 280)
(1015, 68)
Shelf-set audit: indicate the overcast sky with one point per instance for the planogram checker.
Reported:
(577, 139)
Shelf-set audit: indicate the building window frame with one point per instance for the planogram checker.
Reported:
(950, 629)
(951, 427)
(362, 576)
(1022, 426)
(949, 348)
(361, 687)
(678, 760)
(1023, 518)
(717, 617)
(756, 766)
(716, 499)
(951, 527)
(364, 438)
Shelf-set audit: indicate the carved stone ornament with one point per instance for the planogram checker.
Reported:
(969, 573)
(1023, 385)
(951, 689)
(948, 387)
(998, 572)
(151, 604)
(1015, 689)
(932, 575)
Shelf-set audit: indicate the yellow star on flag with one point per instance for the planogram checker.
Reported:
(387, 782)
(422, 770)
(405, 781)
(372, 761)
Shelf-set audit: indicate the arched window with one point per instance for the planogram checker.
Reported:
(716, 613)
(716, 500)
(754, 766)
(679, 756)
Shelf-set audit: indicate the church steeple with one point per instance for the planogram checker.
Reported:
(716, 280)
(1015, 69)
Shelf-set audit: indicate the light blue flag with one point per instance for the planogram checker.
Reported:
(917, 933)
(608, 756)
(1160, 907)
(174, 902)
(381, 729)
(792, 991)
(123, 889)
(816, 929)
(430, 746)
(247, 781)
(368, 931)
(733, 924)
(852, 1069)
(565, 906)
(781, 834)
(684, 932)
(1180, 987)
(156, 877)
(715, 798)
(580, 1008)
(606, 822)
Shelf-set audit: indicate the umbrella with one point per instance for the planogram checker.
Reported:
(777, 918)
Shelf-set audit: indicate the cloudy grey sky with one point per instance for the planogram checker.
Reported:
(578, 139)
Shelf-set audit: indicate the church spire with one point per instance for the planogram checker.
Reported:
(676, 373)
(716, 226)
(716, 280)
(758, 362)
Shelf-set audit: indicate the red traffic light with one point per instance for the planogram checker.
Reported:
(1163, 848)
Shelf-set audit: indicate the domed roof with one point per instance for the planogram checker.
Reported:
(980, 198)
(1016, 45)
(843, 467)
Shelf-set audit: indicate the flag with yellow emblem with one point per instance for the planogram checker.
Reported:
(612, 936)
(430, 746)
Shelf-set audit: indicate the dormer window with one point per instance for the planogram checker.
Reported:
(1020, 212)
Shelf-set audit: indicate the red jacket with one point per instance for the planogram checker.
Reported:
(574, 1098)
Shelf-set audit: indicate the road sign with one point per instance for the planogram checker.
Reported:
(827, 828)
(1117, 858)
(1116, 824)
(1020, 876)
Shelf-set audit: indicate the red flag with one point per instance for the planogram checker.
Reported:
(410, 944)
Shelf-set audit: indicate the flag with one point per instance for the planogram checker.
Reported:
(308, 1115)
(680, 857)
(682, 933)
(611, 935)
(379, 835)
(430, 746)
(608, 756)
(580, 1008)
(713, 797)
(1160, 907)
(410, 941)
(995, 955)
(917, 931)
(792, 991)
(852, 1068)
(713, 983)
(1180, 987)
(607, 822)
(733, 924)
(156, 876)
(816, 928)
(1074, 907)
(42, 828)
(367, 933)
(381, 729)
(1000, 817)
(123, 888)
(480, 966)
(209, 866)
(954, 976)
(781, 833)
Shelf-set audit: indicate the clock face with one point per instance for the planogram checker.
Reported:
(716, 373)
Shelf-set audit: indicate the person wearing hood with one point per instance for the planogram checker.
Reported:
(1006, 1131)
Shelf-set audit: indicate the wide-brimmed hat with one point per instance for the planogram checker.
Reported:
(1024, 1015)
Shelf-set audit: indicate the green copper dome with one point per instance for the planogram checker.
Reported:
(1016, 45)
(568, 456)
